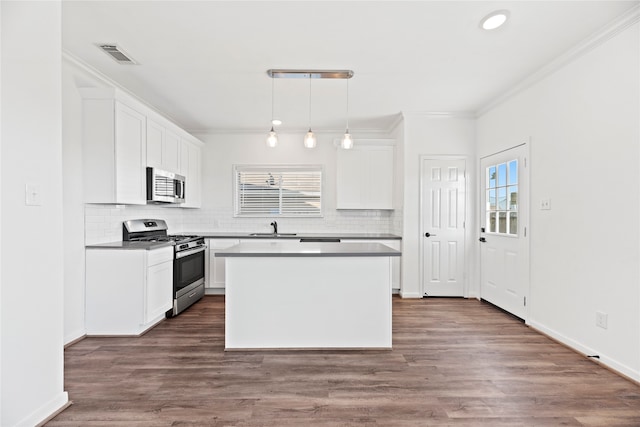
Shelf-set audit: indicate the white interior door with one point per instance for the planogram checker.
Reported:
(504, 247)
(443, 215)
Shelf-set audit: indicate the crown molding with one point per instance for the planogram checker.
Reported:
(289, 131)
(440, 114)
(618, 25)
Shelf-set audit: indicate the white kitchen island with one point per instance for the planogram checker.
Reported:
(294, 295)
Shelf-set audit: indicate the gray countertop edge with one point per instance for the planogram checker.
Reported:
(291, 249)
(147, 246)
(304, 254)
(298, 236)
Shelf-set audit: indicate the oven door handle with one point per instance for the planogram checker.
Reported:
(190, 252)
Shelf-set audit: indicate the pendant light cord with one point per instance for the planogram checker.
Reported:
(309, 102)
(347, 105)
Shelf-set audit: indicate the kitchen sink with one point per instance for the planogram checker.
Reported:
(273, 234)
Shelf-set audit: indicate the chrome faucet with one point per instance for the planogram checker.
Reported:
(274, 224)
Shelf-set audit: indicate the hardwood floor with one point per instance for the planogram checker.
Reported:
(454, 362)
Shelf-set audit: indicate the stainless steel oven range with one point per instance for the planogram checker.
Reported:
(188, 259)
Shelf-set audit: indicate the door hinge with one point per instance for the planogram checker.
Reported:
(525, 232)
(525, 301)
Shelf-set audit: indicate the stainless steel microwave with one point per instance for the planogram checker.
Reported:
(164, 186)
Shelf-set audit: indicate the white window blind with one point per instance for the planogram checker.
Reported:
(290, 191)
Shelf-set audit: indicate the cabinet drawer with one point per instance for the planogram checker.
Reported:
(157, 256)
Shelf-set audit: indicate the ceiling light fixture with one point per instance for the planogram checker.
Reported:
(494, 20)
(272, 139)
(310, 138)
(347, 142)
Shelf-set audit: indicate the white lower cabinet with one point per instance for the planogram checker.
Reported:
(127, 291)
(215, 280)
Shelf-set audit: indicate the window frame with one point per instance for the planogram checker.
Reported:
(265, 168)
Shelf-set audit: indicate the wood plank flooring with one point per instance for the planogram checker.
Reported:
(454, 362)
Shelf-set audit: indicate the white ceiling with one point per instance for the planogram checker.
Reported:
(204, 63)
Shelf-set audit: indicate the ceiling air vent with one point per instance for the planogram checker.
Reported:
(116, 53)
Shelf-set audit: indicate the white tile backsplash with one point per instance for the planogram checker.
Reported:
(103, 223)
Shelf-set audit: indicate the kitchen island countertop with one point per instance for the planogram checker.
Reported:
(296, 236)
(297, 249)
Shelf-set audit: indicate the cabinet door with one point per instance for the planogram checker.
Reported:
(216, 265)
(131, 153)
(349, 179)
(159, 295)
(190, 167)
(364, 178)
(171, 152)
(155, 142)
(378, 189)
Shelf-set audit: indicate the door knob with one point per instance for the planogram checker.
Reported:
(483, 240)
(428, 234)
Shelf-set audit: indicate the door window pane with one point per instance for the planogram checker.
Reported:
(491, 176)
(491, 199)
(502, 198)
(513, 172)
(513, 222)
(502, 222)
(512, 197)
(502, 174)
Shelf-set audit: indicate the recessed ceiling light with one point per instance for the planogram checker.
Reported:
(494, 20)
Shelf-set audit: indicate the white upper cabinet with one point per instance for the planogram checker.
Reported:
(365, 177)
(191, 168)
(114, 148)
(163, 147)
(121, 137)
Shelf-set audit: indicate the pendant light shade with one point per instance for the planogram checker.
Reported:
(347, 142)
(310, 139)
(272, 139)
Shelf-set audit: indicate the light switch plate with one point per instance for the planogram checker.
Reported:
(32, 196)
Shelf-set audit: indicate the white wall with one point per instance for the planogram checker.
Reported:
(425, 134)
(31, 371)
(222, 151)
(583, 121)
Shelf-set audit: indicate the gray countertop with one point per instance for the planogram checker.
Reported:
(130, 245)
(297, 249)
(297, 236)
(247, 235)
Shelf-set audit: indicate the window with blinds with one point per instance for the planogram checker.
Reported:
(289, 191)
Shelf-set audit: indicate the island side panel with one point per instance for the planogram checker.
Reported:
(308, 302)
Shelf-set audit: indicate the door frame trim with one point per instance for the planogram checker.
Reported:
(467, 203)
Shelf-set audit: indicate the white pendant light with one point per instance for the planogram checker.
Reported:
(347, 142)
(272, 139)
(310, 138)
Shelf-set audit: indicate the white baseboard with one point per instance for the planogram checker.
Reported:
(410, 294)
(43, 413)
(603, 359)
(74, 336)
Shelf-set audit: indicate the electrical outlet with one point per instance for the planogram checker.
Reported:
(601, 319)
(545, 204)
